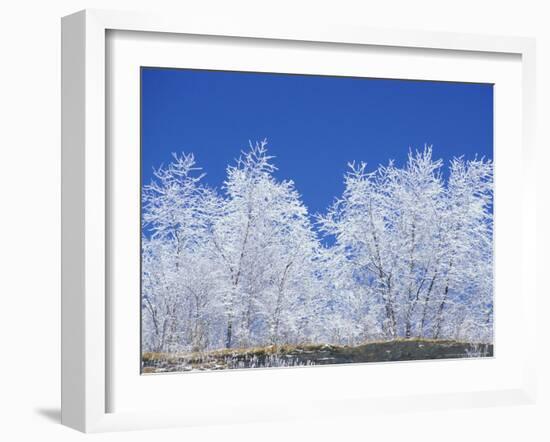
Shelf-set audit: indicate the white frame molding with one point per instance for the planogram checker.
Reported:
(84, 233)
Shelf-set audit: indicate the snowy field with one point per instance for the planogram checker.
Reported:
(311, 355)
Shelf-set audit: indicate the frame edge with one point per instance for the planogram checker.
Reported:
(73, 81)
(83, 374)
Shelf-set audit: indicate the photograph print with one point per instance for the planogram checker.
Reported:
(301, 220)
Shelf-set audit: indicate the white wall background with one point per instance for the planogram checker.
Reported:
(30, 215)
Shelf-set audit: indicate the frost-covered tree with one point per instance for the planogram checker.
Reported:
(179, 301)
(266, 245)
(468, 263)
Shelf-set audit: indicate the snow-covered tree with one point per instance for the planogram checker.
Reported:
(178, 299)
(266, 245)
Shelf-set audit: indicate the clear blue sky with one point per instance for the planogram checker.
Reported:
(314, 125)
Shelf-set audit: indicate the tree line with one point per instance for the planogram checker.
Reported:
(409, 254)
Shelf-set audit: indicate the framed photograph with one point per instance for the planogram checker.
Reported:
(334, 261)
(325, 215)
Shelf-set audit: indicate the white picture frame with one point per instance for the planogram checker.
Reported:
(85, 214)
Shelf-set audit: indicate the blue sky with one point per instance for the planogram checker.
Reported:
(314, 125)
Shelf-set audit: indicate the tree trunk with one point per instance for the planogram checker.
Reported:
(425, 308)
(228, 336)
(440, 313)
